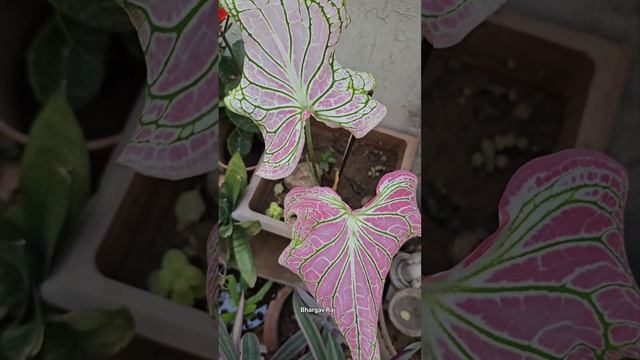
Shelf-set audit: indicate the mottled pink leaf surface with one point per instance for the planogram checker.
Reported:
(290, 75)
(553, 282)
(344, 255)
(446, 22)
(177, 136)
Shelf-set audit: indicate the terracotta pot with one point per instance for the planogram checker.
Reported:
(270, 335)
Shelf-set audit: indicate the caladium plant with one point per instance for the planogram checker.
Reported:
(177, 136)
(446, 22)
(290, 75)
(344, 255)
(553, 282)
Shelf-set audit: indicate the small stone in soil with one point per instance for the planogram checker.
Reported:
(405, 315)
(500, 142)
(488, 148)
(522, 111)
(511, 64)
(477, 159)
(510, 140)
(523, 143)
(302, 176)
(513, 95)
(502, 161)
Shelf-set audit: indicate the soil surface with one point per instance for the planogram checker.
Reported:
(368, 161)
(471, 111)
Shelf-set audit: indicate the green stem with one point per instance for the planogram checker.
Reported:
(228, 46)
(310, 155)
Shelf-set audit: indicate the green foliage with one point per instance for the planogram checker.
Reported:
(327, 159)
(230, 70)
(240, 142)
(236, 233)
(316, 344)
(70, 53)
(55, 181)
(189, 208)
(55, 188)
(102, 14)
(275, 211)
(177, 279)
(250, 305)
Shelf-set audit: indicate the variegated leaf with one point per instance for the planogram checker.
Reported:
(446, 22)
(177, 136)
(553, 282)
(344, 255)
(290, 75)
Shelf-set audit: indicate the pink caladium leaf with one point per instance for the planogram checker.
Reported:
(446, 22)
(290, 75)
(553, 282)
(344, 255)
(177, 136)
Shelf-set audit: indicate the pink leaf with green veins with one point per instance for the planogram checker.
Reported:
(344, 255)
(290, 75)
(446, 22)
(177, 135)
(553, 282)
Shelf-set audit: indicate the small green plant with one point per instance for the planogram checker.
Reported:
(54, 190)
(177, 279)
(235, 234)
(327, 159)
(275, 211)
(236, 292)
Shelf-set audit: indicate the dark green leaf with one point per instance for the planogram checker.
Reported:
(308, 327)
(225, 344)
(334, 350)
(23, 340)
(243, 256)
(240, 142)
(103, 14)
(56, 178)
(230, 70)
(408, 352)
(103, 332)
(14, 277)
(61, 343)
(252, 227)
(233, 289)
(70, 53)
(235, 180)
(243, 123)
(257, 297)
(291, 348)
(250, 347)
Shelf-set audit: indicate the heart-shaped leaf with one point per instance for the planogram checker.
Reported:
(290, 74)
(553, 282)
(177, 136)
(446, 23)
(344, 255)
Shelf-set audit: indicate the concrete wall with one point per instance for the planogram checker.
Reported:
(384, 38)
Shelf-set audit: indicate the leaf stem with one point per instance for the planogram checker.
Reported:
(310, 154)
(228, 46)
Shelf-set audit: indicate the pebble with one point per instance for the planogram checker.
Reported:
(477, 159)
(488, 148)
(502, 161)
(510, 140)
(522, 111)
(512, 95)
(523, 143)
(500, 142)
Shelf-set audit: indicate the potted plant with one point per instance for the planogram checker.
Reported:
(91, 54)
(54, 189)
(505, 105)
(172, 137)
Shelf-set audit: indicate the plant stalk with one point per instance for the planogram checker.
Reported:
(311, 159)
(228, 46)
(236, 332)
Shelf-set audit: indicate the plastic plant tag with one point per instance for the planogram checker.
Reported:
(344, 255)
(446, 22)
(177, 136)
(290, 75)
(553, 282)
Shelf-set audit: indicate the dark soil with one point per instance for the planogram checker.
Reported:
(368, 161)
(463, 105)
